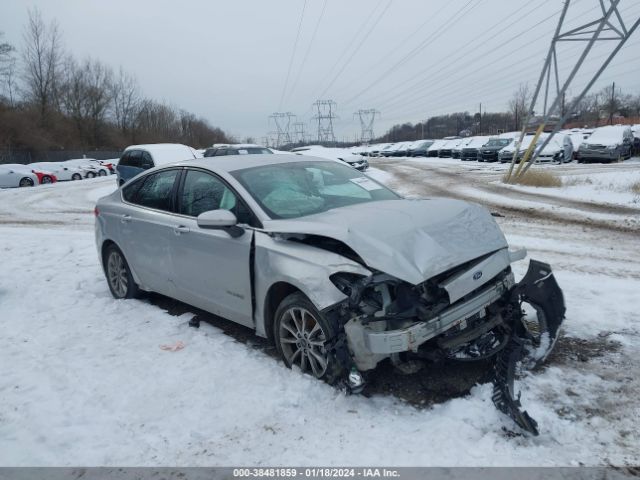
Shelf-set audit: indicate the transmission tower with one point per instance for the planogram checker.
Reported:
(299, 132)
(367, 117)
(610, 30)
(325, 116)
(282, 122)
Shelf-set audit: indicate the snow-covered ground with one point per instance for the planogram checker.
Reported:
(85, 382)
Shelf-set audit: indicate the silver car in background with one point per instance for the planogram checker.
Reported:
(336, 269)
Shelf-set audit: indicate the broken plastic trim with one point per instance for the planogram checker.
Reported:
(540, 289)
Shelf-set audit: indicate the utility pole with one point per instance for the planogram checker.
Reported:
(325, 116)
(367, 117)
(612, 104)
(282, 122)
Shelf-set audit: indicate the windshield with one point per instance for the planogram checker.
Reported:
(498, 142)
(291, 190)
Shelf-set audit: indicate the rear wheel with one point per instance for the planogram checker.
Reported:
(301, 335)
(47, 179)
(76, 176)
(119, 276)
(26, 182)
(91, 175)
(102, 173)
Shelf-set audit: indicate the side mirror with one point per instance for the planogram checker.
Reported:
(221, 220)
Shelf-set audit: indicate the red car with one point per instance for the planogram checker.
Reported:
(45, 177)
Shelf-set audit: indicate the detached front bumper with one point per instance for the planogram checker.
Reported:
(410, 338)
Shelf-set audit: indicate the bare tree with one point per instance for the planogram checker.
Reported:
(125, 101)
(85, 95)
(7, 71)
(519, 104)
(42, 55)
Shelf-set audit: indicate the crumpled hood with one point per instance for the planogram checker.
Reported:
(412, 240)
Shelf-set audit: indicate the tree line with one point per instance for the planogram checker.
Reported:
(610, 105)
(51, 100)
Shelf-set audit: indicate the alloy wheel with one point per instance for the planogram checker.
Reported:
(117, 274)
(302, 340)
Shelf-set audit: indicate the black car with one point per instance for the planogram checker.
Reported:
(421, 149)
(489, 153)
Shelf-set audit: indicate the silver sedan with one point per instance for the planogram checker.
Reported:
(335, 268)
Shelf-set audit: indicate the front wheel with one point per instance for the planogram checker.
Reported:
(91, 175)
(119, 276)
(102, 173)
(47, 179)
(76, 176)
(301, 335)
(26, 182)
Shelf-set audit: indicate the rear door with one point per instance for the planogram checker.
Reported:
(147, 228)
(211, 268)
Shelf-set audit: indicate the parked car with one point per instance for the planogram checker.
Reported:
(14, 176)
(402, 149)
(434, 149)
(419, 148)
(490, 151)
(558, 150)
(388, 150)
(336, 269)
(93, 168)
(61, 171)
(138, 158)
(607, 144)
(636, 139)
(44, 176)
(471, 149)
(340, 154)
(505, 155)
(446, 150)
(241, 149)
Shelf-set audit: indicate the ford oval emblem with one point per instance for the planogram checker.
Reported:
(477, 275)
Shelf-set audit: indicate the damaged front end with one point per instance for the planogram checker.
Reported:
(474, 311)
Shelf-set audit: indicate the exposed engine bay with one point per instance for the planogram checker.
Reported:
(449, 317)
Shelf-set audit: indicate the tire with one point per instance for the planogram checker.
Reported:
(91, 175)
(118, 273)
(76, 176)
(26, 182)
(300, 333)
(46, 180)
(102, 173)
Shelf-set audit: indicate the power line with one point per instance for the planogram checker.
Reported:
(306, 54)
(352, 41)
(293, 53)
(445, 75)
(457, 16)
(465, 53)
(346, 63)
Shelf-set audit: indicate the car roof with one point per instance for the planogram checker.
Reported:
(235, 162)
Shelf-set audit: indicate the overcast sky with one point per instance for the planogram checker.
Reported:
(228, 61)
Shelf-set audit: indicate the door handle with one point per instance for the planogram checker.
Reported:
(181, 229)
(125, 219)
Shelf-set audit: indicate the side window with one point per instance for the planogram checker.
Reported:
(220, 152)
(129, 191)
(147, 161)
(125, 160)
(156, 190)
(135, 158)
(203, 192)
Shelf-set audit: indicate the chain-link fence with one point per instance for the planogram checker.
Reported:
(27, 156)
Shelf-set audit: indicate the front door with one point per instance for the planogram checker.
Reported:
(211, 268)
(148, 229)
